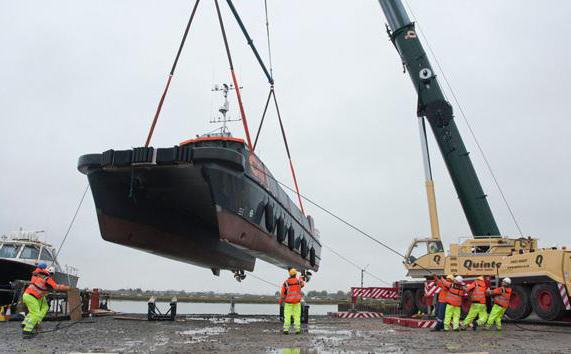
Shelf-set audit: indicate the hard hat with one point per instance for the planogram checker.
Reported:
(292, 272)
(42, 265)
(459, 279)
(507, 281)
(52, 270)
(481, 277)
(450, 277)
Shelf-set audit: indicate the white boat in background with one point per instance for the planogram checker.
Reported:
(20, 253)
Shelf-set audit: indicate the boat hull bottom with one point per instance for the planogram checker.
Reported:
(207, 252)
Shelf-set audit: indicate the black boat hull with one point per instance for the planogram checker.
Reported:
(203, 205)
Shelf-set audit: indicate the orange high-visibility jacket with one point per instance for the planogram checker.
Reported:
(444, 285)
(502, 296)
(291, 290)
(478, 289)
(41, 283)
(455, 295)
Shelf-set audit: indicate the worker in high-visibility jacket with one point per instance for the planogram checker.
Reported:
(454, 303)
(35, 298)
(477, 291)
(502, 297)
(440, 308)
(291, 298)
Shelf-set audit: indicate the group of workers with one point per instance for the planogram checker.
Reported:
(453, 290)
(35, 298)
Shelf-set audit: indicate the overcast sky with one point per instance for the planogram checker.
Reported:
(78, 77)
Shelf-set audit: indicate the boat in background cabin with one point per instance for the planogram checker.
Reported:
(20, 252)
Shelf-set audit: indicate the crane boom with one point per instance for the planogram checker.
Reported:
(433, 106)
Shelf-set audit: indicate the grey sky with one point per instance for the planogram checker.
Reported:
(85, 76)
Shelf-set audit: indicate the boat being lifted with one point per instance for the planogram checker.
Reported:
(209, 201)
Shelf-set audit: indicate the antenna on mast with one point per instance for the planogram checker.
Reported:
(224, 109)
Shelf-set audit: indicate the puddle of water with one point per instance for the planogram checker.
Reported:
(208, 331)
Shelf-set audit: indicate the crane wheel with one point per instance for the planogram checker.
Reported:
(408, 303)
(420, 300)
(546, 301)
(520, 303)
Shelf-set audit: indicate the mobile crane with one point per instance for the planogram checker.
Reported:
(541, 277)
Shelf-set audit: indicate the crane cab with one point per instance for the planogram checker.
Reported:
(425, 257)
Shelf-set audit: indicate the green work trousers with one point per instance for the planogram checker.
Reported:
(37, 310)
(295, 310)
(496, 316)
(452, 315)
(476, 310)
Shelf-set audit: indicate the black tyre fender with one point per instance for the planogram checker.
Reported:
(281, 234)
(408, 303)
(312, 256)
(291, 238)
(269, 217)
(520, 303)
(546, 301)
(304, 249)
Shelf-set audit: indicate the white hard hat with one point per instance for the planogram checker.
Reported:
(52, 270)
(459, 279)
(507, 281)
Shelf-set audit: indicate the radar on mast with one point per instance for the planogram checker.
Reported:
(225, 118)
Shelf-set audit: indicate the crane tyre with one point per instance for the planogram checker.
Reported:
(420, 300)
(520, 303)
(408, 303)
(546, 301)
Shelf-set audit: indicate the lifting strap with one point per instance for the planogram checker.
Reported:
(171, 74)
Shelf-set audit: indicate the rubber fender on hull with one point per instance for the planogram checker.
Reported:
(174, 155)
(281, 229)
(269, 216)
(312, 256)
(304, 249)
(291, 238)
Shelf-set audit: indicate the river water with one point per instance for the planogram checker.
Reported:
(187, 308)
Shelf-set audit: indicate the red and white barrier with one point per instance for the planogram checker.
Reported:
(564, 296)
(355, 314)
(375, 293)
(410, 322)
(430, 288)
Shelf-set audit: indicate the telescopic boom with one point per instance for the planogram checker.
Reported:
(433, 106)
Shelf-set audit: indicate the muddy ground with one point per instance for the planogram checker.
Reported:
(262, 334)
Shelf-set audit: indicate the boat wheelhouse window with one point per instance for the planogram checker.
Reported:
(46, 255)
(30, 252)
(9, 250)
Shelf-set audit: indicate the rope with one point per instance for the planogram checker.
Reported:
(268, 36)
(465, 118)
(355, 265)
(340, 219)
(292, 169)
(71, 223)
(234, 79)
(171, 74)
(263, 117)
(264, 280)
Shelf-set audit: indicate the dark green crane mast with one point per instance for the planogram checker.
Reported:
(433, 106)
